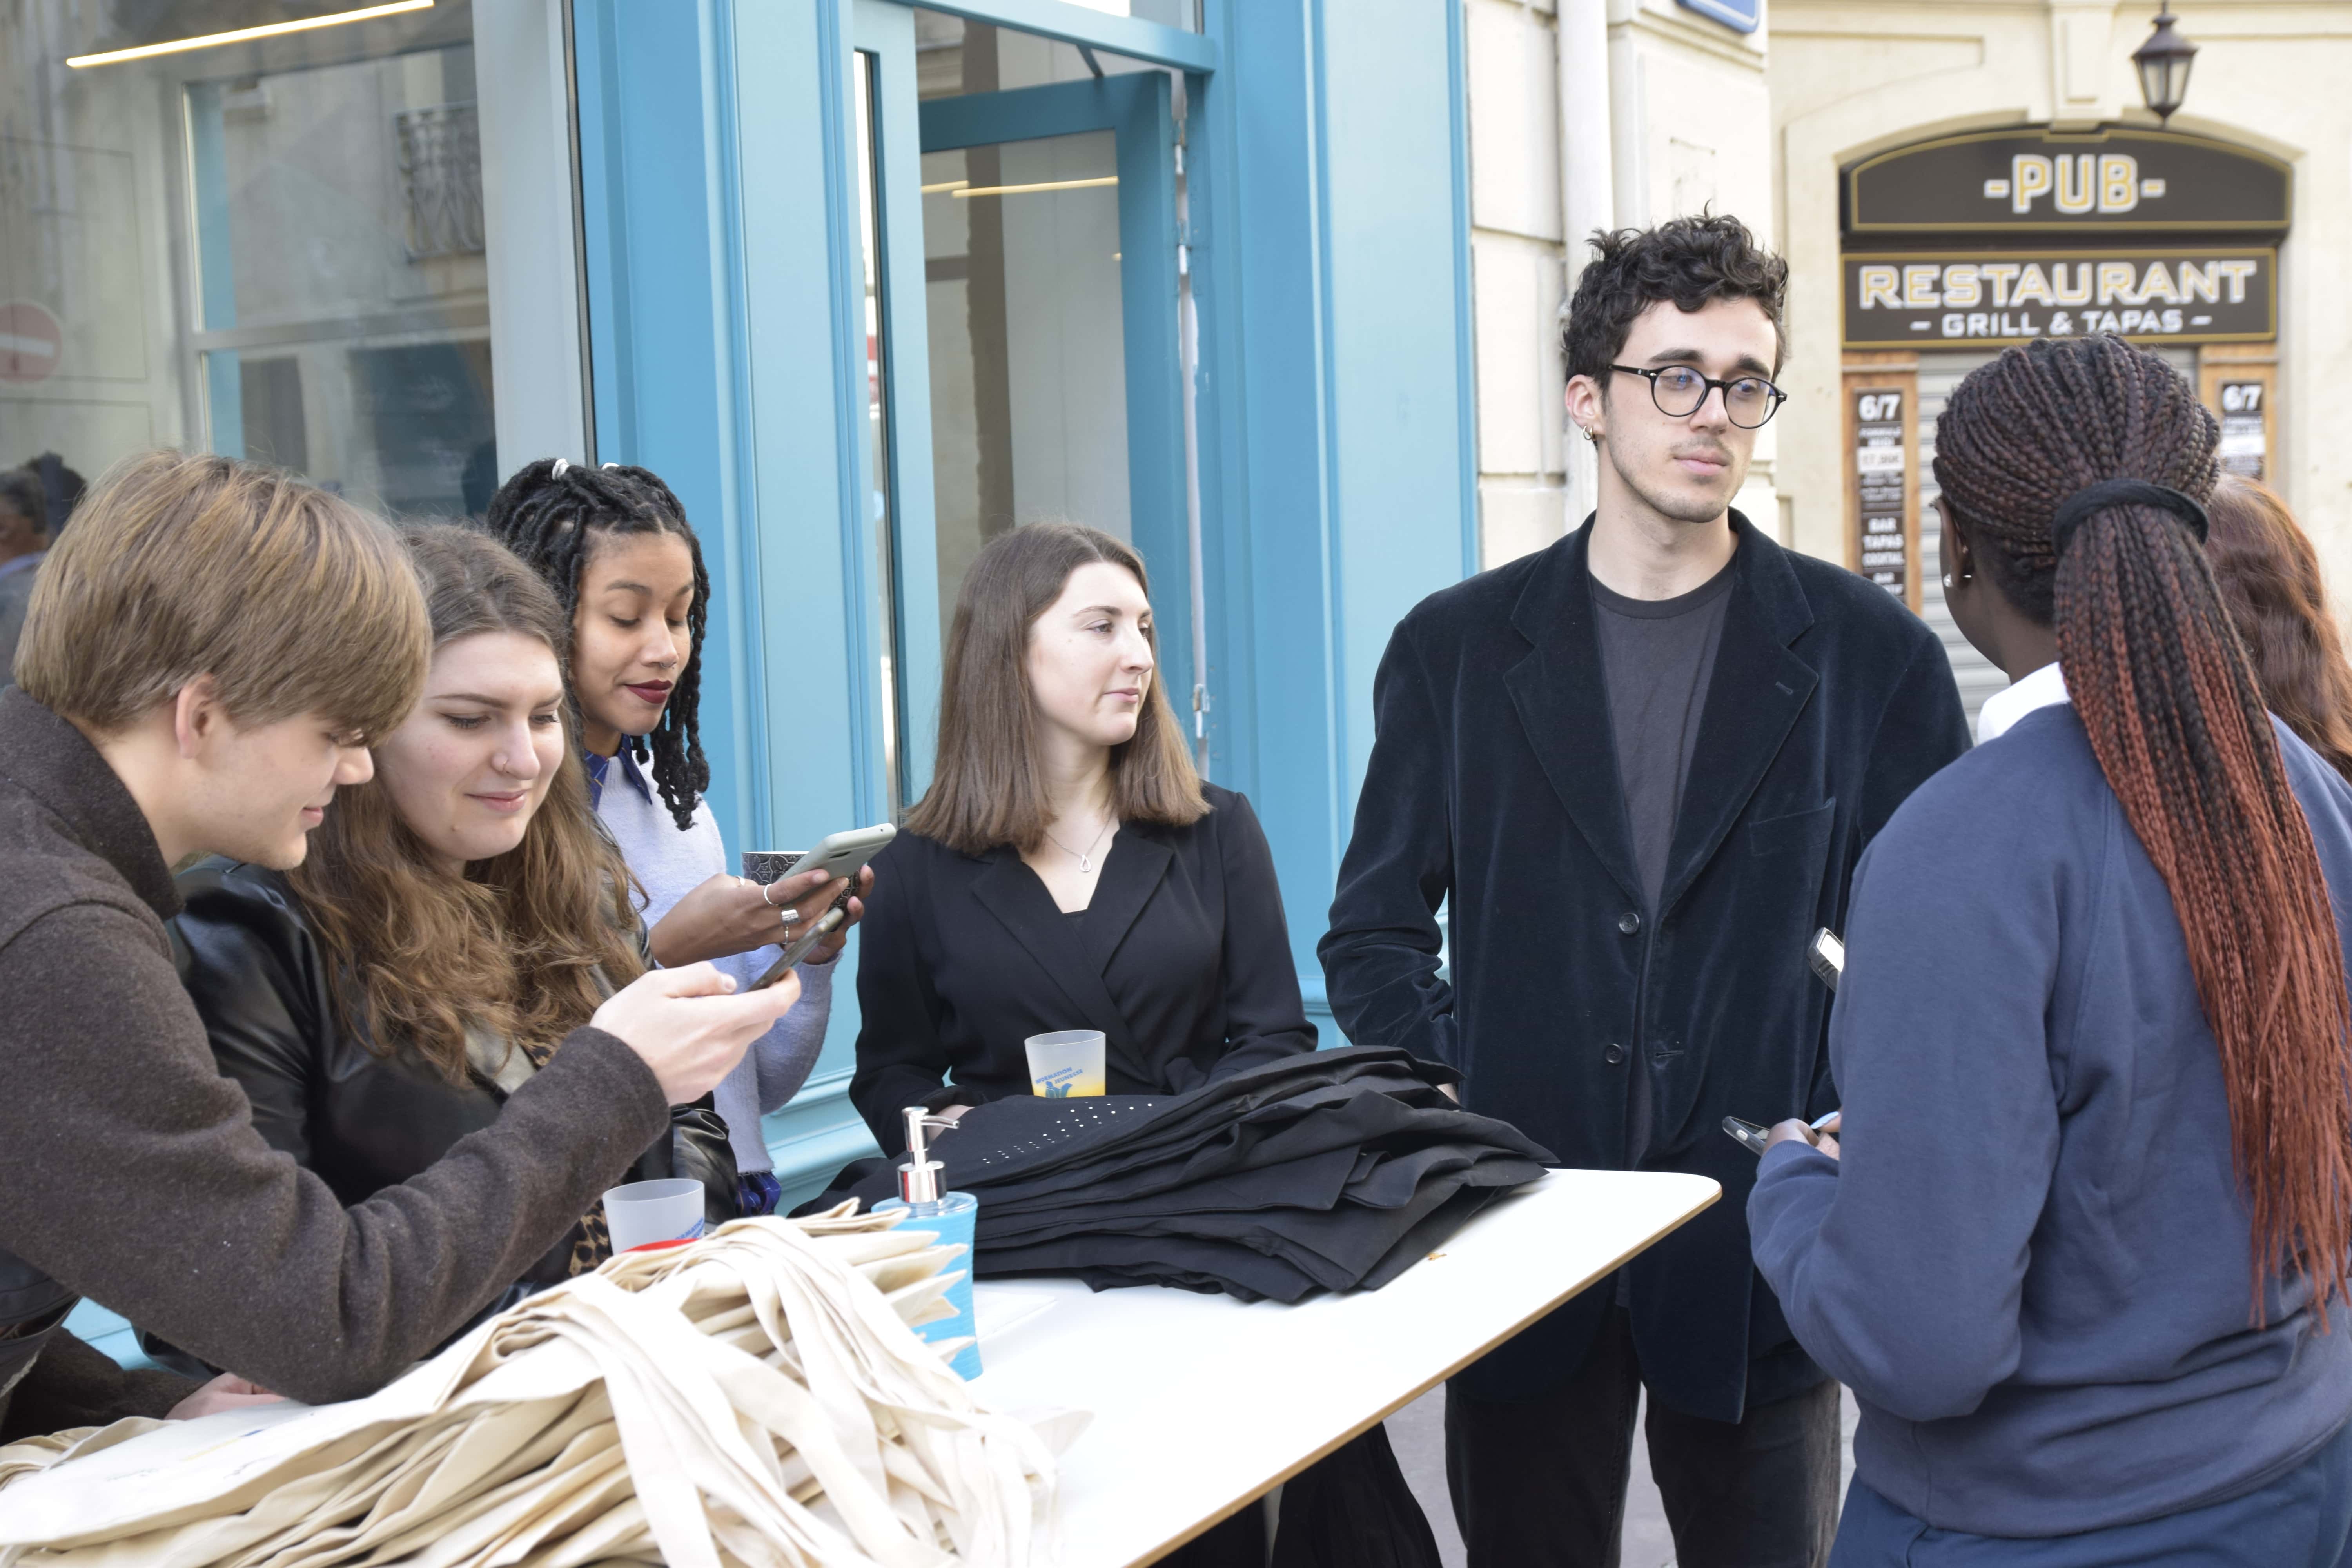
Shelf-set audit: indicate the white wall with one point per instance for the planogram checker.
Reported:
(1516, 257)
(1687, 127)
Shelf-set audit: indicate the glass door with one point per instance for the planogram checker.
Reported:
(1023, 324)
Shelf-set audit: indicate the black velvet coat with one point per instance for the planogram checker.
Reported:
(1182, 961)
(1494, 781)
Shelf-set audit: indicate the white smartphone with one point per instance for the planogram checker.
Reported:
(1827, 957)
(842, 854)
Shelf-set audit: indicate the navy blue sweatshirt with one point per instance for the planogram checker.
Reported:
(2032, 1265)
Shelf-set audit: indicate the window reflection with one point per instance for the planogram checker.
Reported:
(1028, 362)
(1021, 263)
(271, 249)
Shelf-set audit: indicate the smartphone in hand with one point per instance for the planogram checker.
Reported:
(1756, 1140)
(842, 854)
(1826, 958)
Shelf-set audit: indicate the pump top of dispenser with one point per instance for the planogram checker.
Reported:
(918, 1179)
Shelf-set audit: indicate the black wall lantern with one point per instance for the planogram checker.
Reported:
(2163, 63)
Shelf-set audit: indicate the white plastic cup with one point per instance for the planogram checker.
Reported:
(646, 1212)
(1067, 1064)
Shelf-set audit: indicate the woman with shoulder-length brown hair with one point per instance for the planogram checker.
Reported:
(1068, 868)
(2270, 581)
(456, 917)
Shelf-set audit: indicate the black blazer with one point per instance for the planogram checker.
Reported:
(1493, 782)
(1182, 961)
(364, 1121)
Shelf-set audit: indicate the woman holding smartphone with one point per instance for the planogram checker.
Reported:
(457, 916)
(2079, 1246)
(615, 545)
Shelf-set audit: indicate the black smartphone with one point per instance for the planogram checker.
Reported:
(1756, 1140)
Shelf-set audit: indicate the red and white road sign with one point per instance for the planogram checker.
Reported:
(30, 341)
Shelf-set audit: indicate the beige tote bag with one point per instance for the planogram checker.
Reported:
(757, 1397)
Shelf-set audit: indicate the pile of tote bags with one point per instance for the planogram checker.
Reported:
(1332, 1170)
(756, 1397)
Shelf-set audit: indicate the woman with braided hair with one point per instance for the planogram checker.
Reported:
(2080, 1245)
(615, 545)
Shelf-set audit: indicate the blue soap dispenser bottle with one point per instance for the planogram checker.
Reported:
(951, 1216)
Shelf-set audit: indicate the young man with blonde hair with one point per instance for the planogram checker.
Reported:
(205, 658)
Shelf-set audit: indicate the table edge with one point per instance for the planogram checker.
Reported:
(1201, 1526)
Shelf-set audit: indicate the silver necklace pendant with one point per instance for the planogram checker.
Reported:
(1087, 860)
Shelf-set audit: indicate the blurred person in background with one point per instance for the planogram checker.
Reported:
(23, 539)
(2270, 583)
(62, 490)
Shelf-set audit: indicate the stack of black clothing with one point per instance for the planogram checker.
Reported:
(1331, 1170)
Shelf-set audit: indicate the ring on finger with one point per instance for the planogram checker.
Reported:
(764, 897)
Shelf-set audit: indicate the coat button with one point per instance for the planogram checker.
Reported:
(1629, 922)
(1613, 1055)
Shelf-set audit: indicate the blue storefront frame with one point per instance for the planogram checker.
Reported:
(1329, 264)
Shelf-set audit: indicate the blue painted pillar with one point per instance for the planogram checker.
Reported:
(1336, 310)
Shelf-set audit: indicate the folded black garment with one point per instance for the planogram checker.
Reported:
(1330, 1170)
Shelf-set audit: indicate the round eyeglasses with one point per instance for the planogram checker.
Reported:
(1748, 401)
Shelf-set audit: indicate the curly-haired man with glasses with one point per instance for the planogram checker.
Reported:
(1638, 768)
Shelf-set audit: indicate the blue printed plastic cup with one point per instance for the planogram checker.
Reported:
(1067, 1064)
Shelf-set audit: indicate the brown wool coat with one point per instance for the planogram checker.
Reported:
(130, 1170)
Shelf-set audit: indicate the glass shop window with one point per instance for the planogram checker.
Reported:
(252, 228)
(1024, 296)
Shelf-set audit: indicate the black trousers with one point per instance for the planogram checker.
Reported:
(1541, 1484)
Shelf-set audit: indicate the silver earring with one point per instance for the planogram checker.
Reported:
(1948, 582)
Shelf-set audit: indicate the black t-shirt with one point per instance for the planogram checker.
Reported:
(1657, 657)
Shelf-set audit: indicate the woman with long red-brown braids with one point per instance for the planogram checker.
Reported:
(2079, 1245)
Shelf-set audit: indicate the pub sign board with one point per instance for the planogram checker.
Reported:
(2116, 180)
(1983, 298)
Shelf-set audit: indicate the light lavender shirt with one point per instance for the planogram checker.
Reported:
(670, 864)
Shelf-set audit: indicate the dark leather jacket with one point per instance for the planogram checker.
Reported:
(364, 1121)
(32, 1306)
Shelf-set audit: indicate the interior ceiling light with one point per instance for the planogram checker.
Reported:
(246, 35)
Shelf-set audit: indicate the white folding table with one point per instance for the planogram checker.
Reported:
(1203, 1403)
